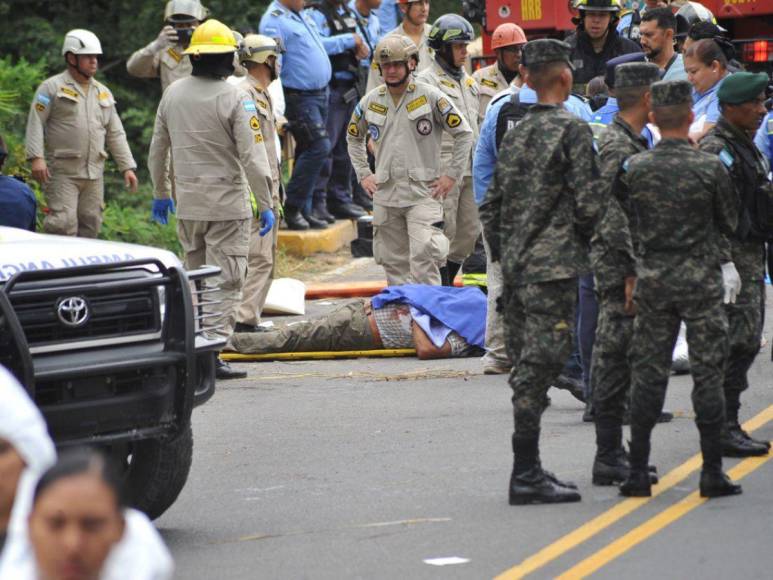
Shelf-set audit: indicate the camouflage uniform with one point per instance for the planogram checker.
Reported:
(748, 255)
(683, 203)
(538, 216)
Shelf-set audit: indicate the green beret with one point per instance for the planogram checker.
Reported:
(544, 50)
(741, 87)
(670, 93)
(636, 74)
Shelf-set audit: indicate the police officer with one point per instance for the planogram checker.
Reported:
(260, 56)
(71, 121)
(683, 204)
(605, 115)
(405, 121)
(742, 103)
(538, 216)
(219, 160)
(596, 40)
(164, 58)
(332, 198)
(414, 26)
(612, 260)
(388, 15)
(305, 73)
(18, 205)
(449, 37)
(763, 139)
(507, 43)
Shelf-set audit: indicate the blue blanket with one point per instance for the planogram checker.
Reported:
(460, 309)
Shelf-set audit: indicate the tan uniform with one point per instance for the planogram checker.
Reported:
(490, 82)
(426, 57)
(260, 261)
(71, 126)
(460, 214)
(407, 136)
(214, 134)
(168, 64)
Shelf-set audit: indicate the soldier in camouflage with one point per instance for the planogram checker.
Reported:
(683, 205)
(538, 216)
(613, 265)
(741, 101)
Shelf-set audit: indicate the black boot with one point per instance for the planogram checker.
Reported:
(453, 270)
(734, 444)
(610, 467)
(444, 276)
(345, 211)
(319, 210)
(294, 219)
(528, 482)
(224, 371)
(714, 483)
(638, 482)
(314, 222)
(733, 406)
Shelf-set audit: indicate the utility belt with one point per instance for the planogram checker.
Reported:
(307, 92)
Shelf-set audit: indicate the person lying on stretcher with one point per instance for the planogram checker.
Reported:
(438, 321)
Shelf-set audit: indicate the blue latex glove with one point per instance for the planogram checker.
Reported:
(266, 221)
(161, 209)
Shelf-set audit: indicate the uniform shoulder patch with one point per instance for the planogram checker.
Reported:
(276, 12)
(102, 95)
(416, 103)
(357, 114)
(254, 123)
(443, 105)
(249, 106)
(470, 82)
(174, 54)
(453, 120)
(726, 158)
(377, 108)
(488, 83)
(353, 129)
(42, 102)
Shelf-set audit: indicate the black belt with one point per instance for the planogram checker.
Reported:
(346, 83)
(311, 93)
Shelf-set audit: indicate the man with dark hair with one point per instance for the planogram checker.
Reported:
(596, 40)
(538, 216)
(742, 104)
(657, 31)
(17, 201)
(683, 204)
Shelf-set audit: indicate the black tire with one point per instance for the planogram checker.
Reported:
(156, 472)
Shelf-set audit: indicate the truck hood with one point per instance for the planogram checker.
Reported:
(21, 251)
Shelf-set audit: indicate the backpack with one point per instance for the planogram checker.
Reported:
(509, 116)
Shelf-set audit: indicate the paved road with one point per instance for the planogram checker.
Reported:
(368, 468)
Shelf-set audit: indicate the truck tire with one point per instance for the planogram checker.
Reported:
(156, 472)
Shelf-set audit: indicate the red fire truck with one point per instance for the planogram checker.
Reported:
(749, 23)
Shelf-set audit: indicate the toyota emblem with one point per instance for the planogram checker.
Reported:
(73, 312)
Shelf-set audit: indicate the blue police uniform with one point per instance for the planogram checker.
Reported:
(388, 15)
(764, 138)
(305, 72)
(17, 204)
(374, 29)
(706, 105)
(606, 114)
(486, 153)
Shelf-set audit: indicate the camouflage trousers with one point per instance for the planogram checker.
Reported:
(611, 370)
(745, 332)
(656, 327)
(539, 328)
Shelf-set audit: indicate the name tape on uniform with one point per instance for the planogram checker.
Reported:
(488, 83)
(416, 103)
(377, 108)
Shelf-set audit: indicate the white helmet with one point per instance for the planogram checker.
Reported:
(81, 42)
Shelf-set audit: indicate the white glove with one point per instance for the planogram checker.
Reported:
(167, 37)
(731, 282)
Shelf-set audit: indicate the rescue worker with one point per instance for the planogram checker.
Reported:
(332, 197)
(71, 122)
(742, 104)
(259, 55)
(684, 207)
(212, 129)
(507, 43)
(596, 40)
(538, 216)
(449, 37)
(405, 122)
(414, 26)
(165, 58)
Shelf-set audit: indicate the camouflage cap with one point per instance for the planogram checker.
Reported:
(636, 74)
(544, 50)
(742, 87)
(669, 93)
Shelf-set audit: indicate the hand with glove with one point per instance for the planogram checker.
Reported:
(731, 282)
(161, 209)
(166, 38)
(267, 221)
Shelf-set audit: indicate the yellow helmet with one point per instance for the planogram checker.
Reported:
(212, 37)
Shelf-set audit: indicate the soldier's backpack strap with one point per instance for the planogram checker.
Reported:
(509, 116)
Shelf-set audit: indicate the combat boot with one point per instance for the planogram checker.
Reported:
(714, 483)
(638, 482)
(528, 483)
(733, 426)
(733, 444)
(610, 466)
(736, 428)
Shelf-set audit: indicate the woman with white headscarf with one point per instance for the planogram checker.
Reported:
(139, 555)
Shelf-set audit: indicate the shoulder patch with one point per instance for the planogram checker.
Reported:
(470, 82)
(453, 120)
(377, 108)
(443, 105)
(357, 114)
(411, 87)
(353, 129)
(726, 158)
(249, 106)
(42, 102)
(254, 123)
(416, 103)
(103, 95)
(276, 13)
(625, 165)
(488, 83)
(174, 54)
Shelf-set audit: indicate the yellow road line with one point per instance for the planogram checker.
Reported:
(617, 512)
(652, 526)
